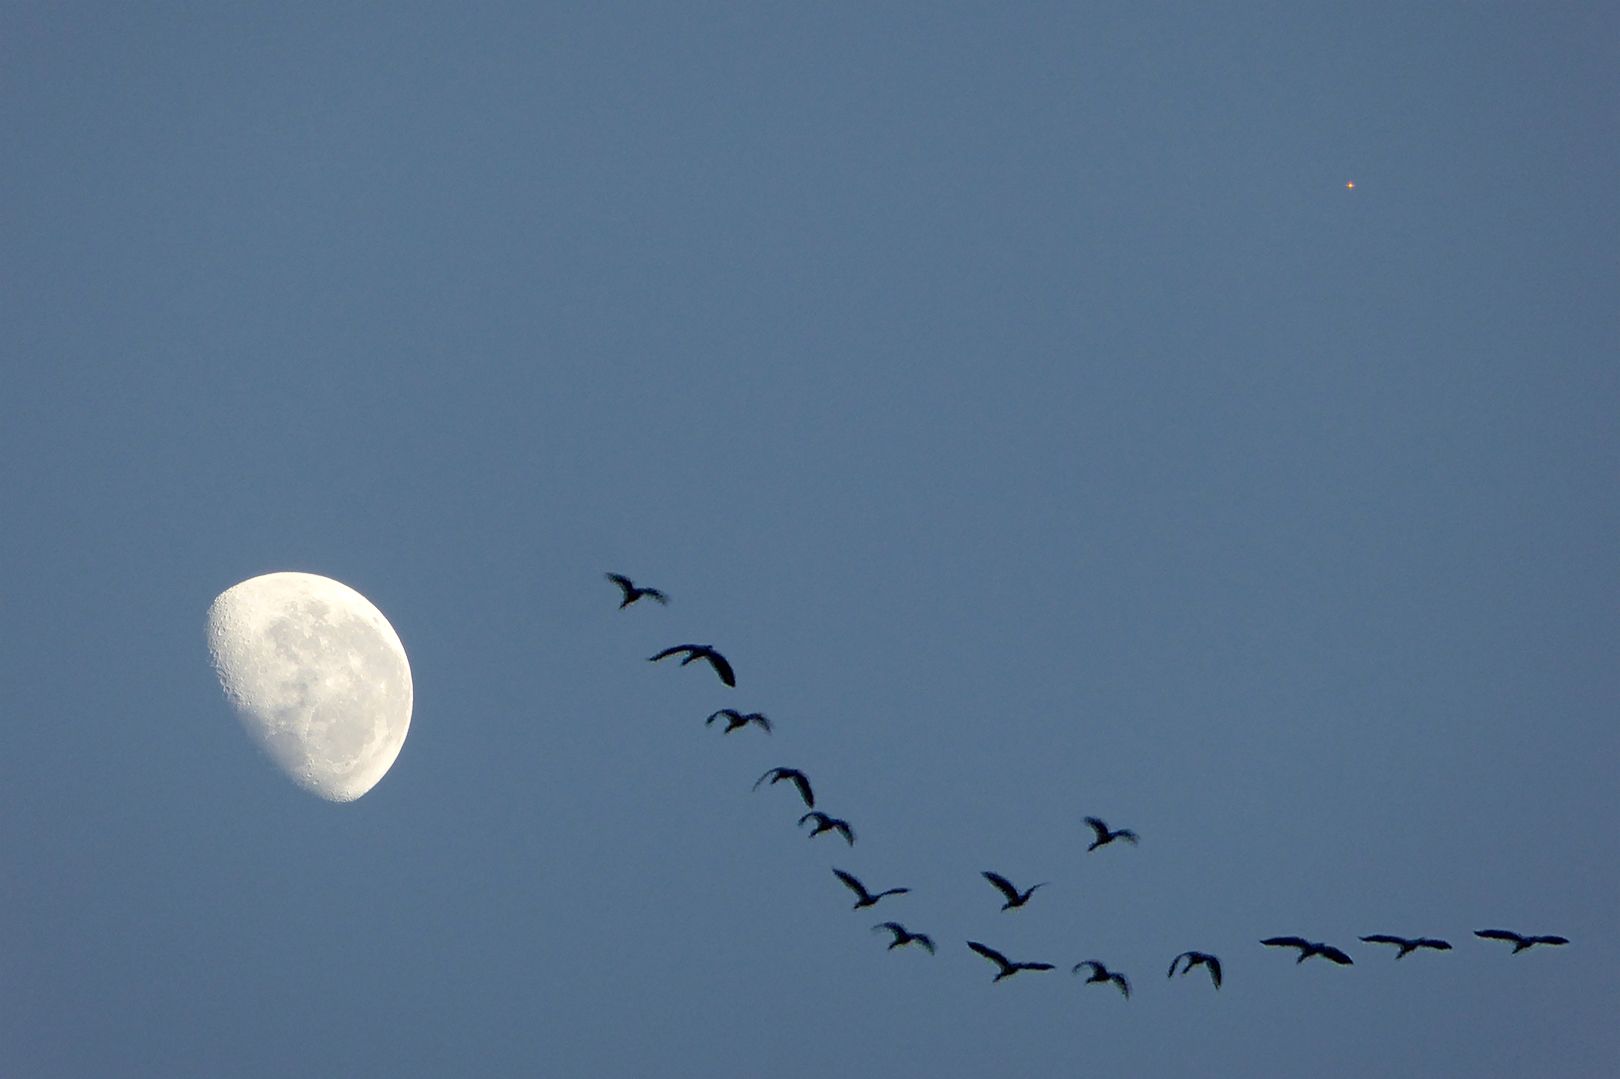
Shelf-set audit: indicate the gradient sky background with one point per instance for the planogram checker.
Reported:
(1017, 396)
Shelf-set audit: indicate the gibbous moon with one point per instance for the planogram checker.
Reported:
(317, 677)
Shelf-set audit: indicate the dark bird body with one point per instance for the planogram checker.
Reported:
(1520, 941)
(1209, 962)
(1308, 948)
(1008, 967)
(1100, 973)
(794, 776)
(865, 898)
(904, 936)
(632, 593)
(824, 823)
(1014, 897)
(1105, 836)
(735, 719)
(700, 651)
(1407, 945)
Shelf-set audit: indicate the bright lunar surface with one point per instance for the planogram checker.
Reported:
(316, 675)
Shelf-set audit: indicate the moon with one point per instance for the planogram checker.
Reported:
(316, 676)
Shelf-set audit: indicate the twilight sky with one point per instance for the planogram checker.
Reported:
(1015, 393)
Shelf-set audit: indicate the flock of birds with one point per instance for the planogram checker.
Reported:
(900, 936)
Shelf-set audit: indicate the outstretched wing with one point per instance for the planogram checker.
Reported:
(730, 714)
(816, 815)
(759, 717)
(1032, 966)
(852, 884)
(1177, 960)
(891, 891)
(801, 781)
(624, 583)
(1498, 934)
(1214, 966)
(1548, 940)
(991, 954)
(773, 775)
(1096, 967)
(1385, 938)
(1287, 942)
(653, 593)
(1099, 827)
(843, 828)
(1003, 885)
(1328, 951)
(1124, 986)
(1128, 836)
(721, 667)
(673, 650)
(925, 940)
(1433, 942)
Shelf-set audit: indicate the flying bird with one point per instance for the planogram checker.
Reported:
(1100, 973)
(1406, 945)
(1308, 948)
(1198, 959)
(904, 936)
(1520, 942)
(1104, 836)
(735, 719)
(700, 651)
(633, 593)
(865, 898)
(1008, 967)
(1015, 898)
(824, 823)
(796, 777)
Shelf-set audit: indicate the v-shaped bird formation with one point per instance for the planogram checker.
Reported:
(1013, 897)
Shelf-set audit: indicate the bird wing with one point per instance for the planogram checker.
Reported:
(1173, 963)
(759, 717)
(820, 818)
(1287, 942)
(1124, 986)
(1032, 966)
(653, 593)
(925, 940)
(891, 891)
(721, 667)
(1128, 836)
(801, 781)
(1328, 951)
(1385, 938)
(843, 827)
(1433, 942)
(990, 954)
(1003, 885)
(1498, 934)
(729, 713)
(852, 884)
(774, 772)
(672, 650)
(1099, 827)
(1092, 963)
(1214, 966)
(623, 582)
(1548, 940)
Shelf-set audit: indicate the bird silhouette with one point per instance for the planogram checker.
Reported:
(904, 936)
(1104, 836)
(1520, 941)
(1100, 973)
(796, 777)
(632, 593)
(735, 719)
(1308, 948)
(864, 898)
(1015, 898)
(1008, 967)
(1406, 945)
(700, 651)
(1196, 959)
(824, 823)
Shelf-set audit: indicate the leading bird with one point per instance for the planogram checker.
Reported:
(633, 593)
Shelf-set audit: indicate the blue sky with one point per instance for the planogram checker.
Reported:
(1019, 398)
